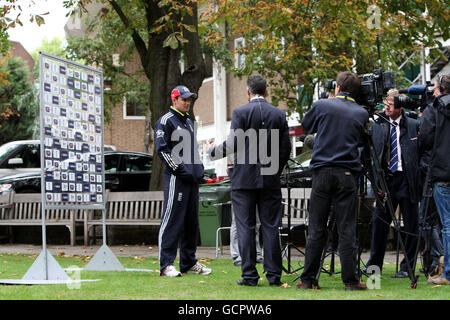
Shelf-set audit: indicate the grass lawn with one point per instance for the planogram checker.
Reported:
(220, 285)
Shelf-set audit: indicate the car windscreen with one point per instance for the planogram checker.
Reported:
(137, 163)
(6, 150)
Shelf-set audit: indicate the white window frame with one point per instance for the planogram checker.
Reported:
(127, 117)
(238, 43)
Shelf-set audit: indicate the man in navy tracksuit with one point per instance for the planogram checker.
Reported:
(177, 147)
(255, 179)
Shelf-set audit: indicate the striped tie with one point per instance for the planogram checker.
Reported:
(393, 162)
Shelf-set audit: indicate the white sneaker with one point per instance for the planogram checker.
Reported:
(170, 271)
(199, 268)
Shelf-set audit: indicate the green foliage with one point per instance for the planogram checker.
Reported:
(298, 43)
(10, 17)
(53, 46)
(19, 105)
(105, 37)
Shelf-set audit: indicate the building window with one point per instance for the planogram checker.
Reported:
(133, 109)
(239, 56)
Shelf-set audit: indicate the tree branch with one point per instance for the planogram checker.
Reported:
(138, 41)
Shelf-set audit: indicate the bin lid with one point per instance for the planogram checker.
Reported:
(220, 193)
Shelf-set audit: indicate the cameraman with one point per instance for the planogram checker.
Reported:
(339, 124)
(434, 133)
(396, 144)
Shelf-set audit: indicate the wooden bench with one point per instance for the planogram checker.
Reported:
(126, 209)
(300, 199)
(122, 208)
(25, 209)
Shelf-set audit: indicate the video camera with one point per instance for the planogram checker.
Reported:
(329, 85)
(424, 91)
(374, 87)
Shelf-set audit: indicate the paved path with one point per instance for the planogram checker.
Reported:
(139, 250)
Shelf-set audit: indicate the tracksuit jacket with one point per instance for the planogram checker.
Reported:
(182, 175)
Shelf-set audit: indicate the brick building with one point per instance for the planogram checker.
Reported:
(17, 50)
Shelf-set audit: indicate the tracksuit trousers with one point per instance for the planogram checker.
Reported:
(179, 224)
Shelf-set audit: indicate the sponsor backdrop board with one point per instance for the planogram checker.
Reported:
(71, 101)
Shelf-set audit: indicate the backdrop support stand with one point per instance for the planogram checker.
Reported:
(104, 259)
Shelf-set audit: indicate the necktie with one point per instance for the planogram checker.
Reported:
(393, 162)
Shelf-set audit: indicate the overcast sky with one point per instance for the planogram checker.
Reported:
(30, 35)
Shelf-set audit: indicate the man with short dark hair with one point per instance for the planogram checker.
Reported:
(182, 175)
(257, 128)
(434, 136)
(339, 123)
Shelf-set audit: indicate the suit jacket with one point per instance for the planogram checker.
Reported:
(409, 143)
(259, 145)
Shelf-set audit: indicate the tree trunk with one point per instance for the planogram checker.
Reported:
(165, 69)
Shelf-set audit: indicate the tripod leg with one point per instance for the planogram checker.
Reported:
(382, 193)
(398, 247)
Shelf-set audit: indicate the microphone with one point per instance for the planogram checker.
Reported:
(418, 89)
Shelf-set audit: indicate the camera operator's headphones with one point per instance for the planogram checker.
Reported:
(441, 87)
(343, 81)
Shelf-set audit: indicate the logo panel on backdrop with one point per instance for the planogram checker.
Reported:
(71, 134)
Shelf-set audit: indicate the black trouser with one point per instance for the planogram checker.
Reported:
(179, 226)
(269, 209)
(398, 190)
(431, 233)
(332, 185)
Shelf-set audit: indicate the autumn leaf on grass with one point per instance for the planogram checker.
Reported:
(205, 260)
(285, 285)
(436, 286)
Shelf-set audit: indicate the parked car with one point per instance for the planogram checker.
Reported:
(124, 171)
(24, 156)
(20, 157)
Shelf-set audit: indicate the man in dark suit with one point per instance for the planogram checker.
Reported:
(339, 123)
(397, 146)
(259, 142)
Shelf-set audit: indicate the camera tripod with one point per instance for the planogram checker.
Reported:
(286, 251)
(331, 245)
(331, 227)
(426, 227)
(330, 249)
